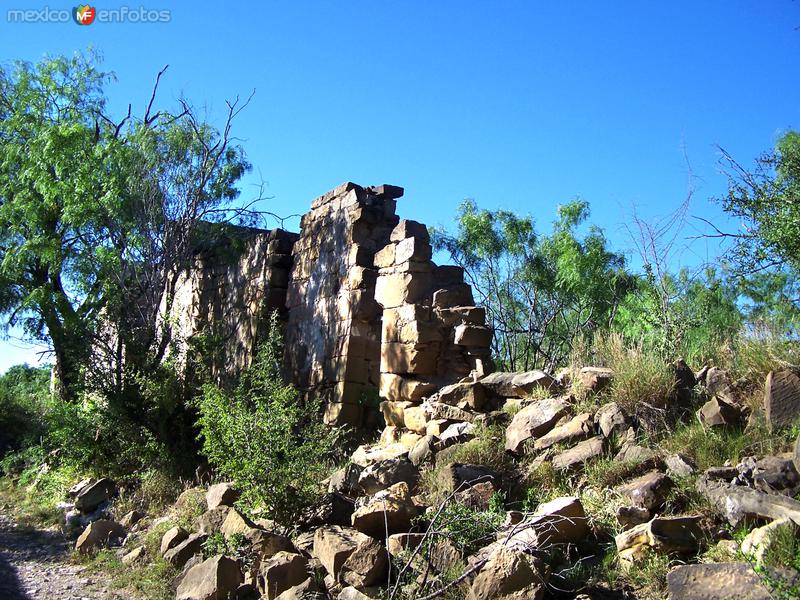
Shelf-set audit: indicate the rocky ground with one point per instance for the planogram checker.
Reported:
(35, 564)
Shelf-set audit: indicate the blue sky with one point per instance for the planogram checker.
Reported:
(520, 105)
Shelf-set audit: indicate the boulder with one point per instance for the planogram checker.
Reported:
(333, 545)
(397, 543)
(180, 554)
(738, 502)
(422, 452)
(715, 581)
(775, 474)
(533, 421)
(578, 455)
(211, 521)
(717, 382)
(718, 413)
(216, 578)
(576, 429)
(664, 535)
(390, 509)
(103, 532)
(560, 521)
(518, 385)
(478, 496)
(459, 476)
(221, 494)
(611, 419)
(393, 411)
(508, 574)
(331, 509)
(367, 565)
(80, 486)
(648, 491)
(345, 480)
(629, 516)
(381, 475)
(131, 518)
(782, 398)
(595, 379)
(306, 590)
(351, 593)
(281, 572)
(757, 543)
(464, 395)
(94, 494)
(457, 433)
(685, 380)
(416, 418)
(439, 410)
(679, 465)
(134, 556)
(172, 537)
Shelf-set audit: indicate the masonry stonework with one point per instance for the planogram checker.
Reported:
(372, 324)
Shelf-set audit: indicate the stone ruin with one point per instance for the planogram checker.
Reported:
(367, 315)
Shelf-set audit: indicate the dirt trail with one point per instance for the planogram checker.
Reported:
(34, 565)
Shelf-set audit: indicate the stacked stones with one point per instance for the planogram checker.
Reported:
(432, 334)
(333, 324)
(236, 277)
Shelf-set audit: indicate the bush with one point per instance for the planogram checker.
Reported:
(261, 436)
(23, 392)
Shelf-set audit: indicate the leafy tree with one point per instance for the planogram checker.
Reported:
(767, 202)
(541, 292)
(98, 217)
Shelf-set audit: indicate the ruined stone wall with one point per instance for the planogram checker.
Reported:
(236, 279)
(367, 315)
(333, 325)
(432, 334)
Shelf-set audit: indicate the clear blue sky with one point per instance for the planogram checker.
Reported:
(520, 105)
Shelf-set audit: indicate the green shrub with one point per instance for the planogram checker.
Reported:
(24, 391)
(261, 436)
(468, 529)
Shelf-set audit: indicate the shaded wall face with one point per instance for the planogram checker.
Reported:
(227, 295)
(333, 325)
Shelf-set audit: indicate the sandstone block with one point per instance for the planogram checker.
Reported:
(580, 454)
(408, 358)
(390, 509)
(280, 572)
(333, 545)
(473, 335)
(407, 229)
(533, 421)
(453, 295)
(412, 249)
(221, 494)
(401, 288)
(782, 398)
(214, 578)
(103, 532)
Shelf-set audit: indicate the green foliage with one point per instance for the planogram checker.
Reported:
(467, 529)
(96, 216)
(265, 439)
(681, 315)
(766, 201)
(23, 391)
(540, 291)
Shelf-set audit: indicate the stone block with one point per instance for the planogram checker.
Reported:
(338, 414)
(384, 257)
(401, 288)
(782, 398)
(415, 419)
(445, 275)
(454, 295)
(412, 249)
(407, 358)
(473, 335)
(406, 229)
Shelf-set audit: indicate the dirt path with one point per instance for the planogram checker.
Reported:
(34, 564)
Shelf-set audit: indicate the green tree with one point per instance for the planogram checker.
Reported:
(97, 217)
(766, 200)
(541, 292)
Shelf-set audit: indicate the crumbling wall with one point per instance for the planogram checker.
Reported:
(237, 278)
(432, 334)
(368, 316)
(333, 325)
